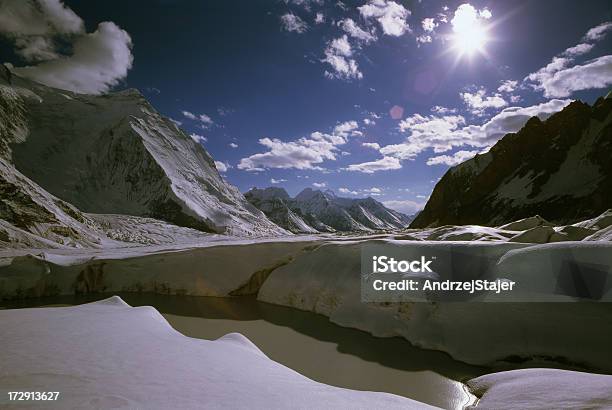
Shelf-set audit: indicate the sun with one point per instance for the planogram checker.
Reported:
(470, 40)
(469, 34)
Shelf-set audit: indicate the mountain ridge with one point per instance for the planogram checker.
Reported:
(322, 211)
(114, 153)
(558, 168)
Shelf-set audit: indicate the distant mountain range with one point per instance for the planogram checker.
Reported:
(62, 154)
(560, 169)
(322, 211)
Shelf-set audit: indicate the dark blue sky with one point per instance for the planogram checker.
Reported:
(258, 74)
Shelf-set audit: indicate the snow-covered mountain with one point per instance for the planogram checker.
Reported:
(318, 211)
(559, 168)
(115, 154)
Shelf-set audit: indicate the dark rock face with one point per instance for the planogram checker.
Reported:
(317, 211)
(560, 169)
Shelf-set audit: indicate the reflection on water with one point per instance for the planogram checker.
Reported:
(309, 344)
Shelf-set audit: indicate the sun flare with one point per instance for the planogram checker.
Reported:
(469, 34)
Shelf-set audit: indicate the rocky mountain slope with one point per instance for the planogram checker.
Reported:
(317, 211)
(115, 154)
(559, 168)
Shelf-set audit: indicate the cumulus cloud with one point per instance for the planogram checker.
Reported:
(390, 15)
(373, 145)
(347, 129)
(442, 133)
(353, 30)
(222, 166)
(428, 24)
(454, 159)
(304, 153)
(562, 76)
(347, 191)
(35, 26)
(404, 206)
(383, 164)
(578, 49)
(291, 22)
(319, 18)
(373, 190)
(478, 102)
(338, 54)
(233, 145)
(596, 73)
(277, 181)
(423, 39)
(99, 61)
(597, 33)
(319, 184)
(50, 34)
(507, 86)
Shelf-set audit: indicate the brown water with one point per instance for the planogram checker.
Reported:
(311, 345)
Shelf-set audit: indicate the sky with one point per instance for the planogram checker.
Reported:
(366, 98)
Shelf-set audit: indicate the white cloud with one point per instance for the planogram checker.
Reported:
(479, 101)
(319, 18)
(222, 166)
(98, 61)
(347, 129)
(205, 119)
(560, 78)
(373, 190)
(383, 164)
(373, 145)
(507, 86)
(353, 30)
(347, 191)
(596, 73)
(578, 49)
(202, 118)
(404, 206)
(338, 54)
(422, 39)
(233, 145)
(304, 153)
(369, 121)
(277, 181)
(291, 22)
(319, 184)
(450, 160)
(188, 114)
(428, 24)
(390, 15)
(443, 110)
(442, 133)
(485, 13)
(598, 32)
(198, 138)
(35, 27)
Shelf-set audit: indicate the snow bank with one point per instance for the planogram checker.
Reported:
(110, 355)
(542, 389)
(206, 271)
(327, 281)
